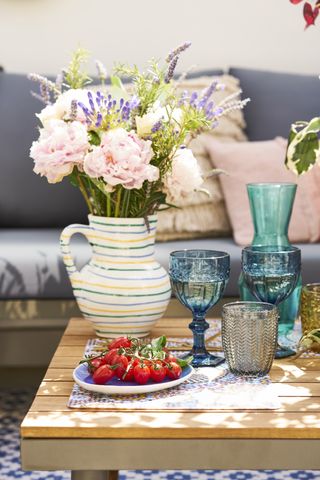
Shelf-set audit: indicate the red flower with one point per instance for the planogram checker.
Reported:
(310, 14)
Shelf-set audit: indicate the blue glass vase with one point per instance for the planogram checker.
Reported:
(271, 207)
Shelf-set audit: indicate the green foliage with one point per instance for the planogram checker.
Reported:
(183, 362)
(73, 177)
(303, 146)
(94, 138)
(149, 86)
(74, 77)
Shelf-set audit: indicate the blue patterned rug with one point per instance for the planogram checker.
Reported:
(13, 406)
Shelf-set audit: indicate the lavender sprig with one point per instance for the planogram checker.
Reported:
(91, 102)
(51, 86)
(87, 113)
(46, 88)
(45, 93)
(157, 126)
(177, 51)
(171, 69)
(73, 110)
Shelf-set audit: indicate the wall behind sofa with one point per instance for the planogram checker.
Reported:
(38, 35)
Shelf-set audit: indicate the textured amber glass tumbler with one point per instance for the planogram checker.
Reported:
(249, 337)
(310, 307)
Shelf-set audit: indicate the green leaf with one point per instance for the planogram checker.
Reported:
(159, 343)
(94, 138)
(183, 362)
(305, 153)
(73, 177)
(303, 146)
(116, 82)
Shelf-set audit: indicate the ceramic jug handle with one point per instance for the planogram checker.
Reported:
(65, 238)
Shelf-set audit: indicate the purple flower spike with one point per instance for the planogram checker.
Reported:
(99, 98)
(99, 120)
(171, 69)
(84, 108)
(183, 98)
(209, 91)
(134, 102)
(91, 102)
(193, 98)
(157, 126)
(45, 93)
(218, 111)
(74, 109)
(174, 53)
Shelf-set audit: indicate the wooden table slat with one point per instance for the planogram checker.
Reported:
(101, 424)
(59, 399)
(282, 389)
(50, 418)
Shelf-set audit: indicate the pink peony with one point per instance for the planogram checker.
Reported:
(184, 178)
(122, 158)
(60, 147)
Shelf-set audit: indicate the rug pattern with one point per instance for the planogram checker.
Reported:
(13, 406)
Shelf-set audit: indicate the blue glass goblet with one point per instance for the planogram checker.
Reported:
(271, 274)
(198, 279)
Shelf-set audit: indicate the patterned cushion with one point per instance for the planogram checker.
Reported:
(200, 215)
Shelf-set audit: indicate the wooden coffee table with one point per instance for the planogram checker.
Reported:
(93, 443)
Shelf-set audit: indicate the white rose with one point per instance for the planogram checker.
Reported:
(61, 109)
(145, 123)
(184, 178)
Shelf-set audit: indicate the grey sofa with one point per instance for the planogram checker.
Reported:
(33, 212)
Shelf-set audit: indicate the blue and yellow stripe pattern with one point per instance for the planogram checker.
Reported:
(122, 290)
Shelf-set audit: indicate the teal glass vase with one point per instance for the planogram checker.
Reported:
(271, 207)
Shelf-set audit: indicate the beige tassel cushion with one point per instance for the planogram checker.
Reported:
(200, 215)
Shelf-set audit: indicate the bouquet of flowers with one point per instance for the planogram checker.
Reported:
(125, 145)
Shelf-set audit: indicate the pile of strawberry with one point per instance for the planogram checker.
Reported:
(131, 360)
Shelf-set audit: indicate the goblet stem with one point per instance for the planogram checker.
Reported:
(198, 326)
(281, 351)
(201, 356)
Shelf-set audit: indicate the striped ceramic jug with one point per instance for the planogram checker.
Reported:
(122, 290)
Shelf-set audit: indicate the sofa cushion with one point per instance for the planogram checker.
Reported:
(26, 200)
(31, 266)
(277, 100)
(201, 215)
(263, 162)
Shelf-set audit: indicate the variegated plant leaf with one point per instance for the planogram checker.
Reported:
(303, 146)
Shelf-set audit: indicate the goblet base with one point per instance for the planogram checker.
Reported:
(284, 352)
(204, 360)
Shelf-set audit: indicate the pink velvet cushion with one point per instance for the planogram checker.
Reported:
(249, 162)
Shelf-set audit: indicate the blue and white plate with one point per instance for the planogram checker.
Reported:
(116, 387)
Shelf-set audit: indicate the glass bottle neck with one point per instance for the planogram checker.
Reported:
(271, 207)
